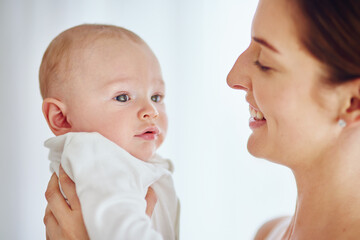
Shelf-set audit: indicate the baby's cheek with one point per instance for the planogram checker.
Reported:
(164, 123)
(160, 140)
(163, 126)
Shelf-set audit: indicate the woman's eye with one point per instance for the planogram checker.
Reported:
(122, 98)
(261, 67)
(156, 98)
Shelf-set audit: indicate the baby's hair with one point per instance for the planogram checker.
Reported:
(56, 64)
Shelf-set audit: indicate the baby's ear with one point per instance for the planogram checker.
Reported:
(351, 110)
(55, 115)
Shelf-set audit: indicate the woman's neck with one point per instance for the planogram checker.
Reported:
(328, 204)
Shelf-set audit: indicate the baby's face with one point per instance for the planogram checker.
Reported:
(118, 91)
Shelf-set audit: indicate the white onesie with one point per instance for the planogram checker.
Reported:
(111, 185)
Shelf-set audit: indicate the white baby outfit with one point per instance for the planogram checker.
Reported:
(112, 184)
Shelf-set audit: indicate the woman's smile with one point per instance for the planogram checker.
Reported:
(257, 118)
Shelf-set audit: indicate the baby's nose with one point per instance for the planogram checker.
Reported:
(149, 111)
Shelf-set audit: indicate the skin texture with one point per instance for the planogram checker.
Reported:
(301, 110)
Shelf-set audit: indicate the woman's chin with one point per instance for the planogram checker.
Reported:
(256, 146)
(255, 153)
(260, 149)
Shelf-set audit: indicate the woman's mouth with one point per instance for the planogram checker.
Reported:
(257, 118)
(256, 114)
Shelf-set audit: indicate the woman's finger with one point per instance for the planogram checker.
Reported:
(62, 222)
(53, 230)
(47, 215)
(56, 202)
(151, 200)
(68, 187)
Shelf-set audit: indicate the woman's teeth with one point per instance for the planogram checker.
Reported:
(256, 114)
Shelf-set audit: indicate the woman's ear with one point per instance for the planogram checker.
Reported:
(55, 115)
(351, 110)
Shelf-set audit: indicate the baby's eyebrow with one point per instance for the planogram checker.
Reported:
(116, 81)
(119, 79)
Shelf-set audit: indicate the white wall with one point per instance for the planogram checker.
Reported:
(225, 193)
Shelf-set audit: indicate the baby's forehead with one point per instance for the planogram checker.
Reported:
(66, 52)
(85, 48)
(90, 43)
(120, 58)
(92, 34)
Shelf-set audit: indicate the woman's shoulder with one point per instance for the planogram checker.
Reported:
(274, 229)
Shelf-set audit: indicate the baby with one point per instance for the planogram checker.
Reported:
(103, 94)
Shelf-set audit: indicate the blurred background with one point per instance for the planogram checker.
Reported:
(225, 193)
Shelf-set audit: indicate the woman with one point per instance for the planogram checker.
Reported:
(301, 73)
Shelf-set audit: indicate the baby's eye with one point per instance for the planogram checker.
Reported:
(122, 98)
(156, 98)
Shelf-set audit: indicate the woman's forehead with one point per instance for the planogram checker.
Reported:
(274, 24)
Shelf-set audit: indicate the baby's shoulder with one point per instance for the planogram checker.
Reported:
(273, 228)
(163, 162)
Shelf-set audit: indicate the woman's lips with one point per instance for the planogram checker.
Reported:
(256, 123)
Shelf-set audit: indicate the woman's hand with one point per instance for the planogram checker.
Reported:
(151, 200)
(64, 220)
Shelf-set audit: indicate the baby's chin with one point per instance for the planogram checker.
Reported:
(144, 152)
(143, 156)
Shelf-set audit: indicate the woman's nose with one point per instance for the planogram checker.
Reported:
(148, 111)
(239, 76)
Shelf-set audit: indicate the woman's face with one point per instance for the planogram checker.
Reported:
(284, 84)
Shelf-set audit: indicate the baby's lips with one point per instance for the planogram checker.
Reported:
(152, 129)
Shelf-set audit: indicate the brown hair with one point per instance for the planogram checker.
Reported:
(332, 35)
(57, 62)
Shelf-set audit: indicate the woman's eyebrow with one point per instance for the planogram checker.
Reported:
(265, 43)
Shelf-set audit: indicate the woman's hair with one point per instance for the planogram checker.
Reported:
(332, 35)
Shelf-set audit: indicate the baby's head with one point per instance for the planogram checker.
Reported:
(105, 79)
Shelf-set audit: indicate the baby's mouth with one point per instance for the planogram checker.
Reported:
(150, 133)
(256, 114)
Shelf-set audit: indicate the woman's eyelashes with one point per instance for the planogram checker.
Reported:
(262, 67)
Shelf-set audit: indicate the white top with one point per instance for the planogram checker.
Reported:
(112, 184)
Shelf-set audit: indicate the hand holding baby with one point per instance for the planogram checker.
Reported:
(71, 226)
